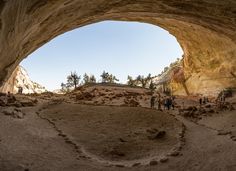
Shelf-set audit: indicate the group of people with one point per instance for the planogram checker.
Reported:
(219, 100)
(167, 102)
(203, 100)
(20, 90)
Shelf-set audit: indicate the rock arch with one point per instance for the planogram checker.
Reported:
(205, 29)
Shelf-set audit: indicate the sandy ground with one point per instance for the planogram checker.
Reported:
(61, 133)
(116, 135)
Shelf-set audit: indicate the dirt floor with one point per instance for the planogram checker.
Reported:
(70, 133)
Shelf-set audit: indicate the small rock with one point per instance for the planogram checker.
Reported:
(152, 130)
(208, 106)
(222, 132)
(17, 104)
(211, 111)
(153, 162)
(164, 160)
(119, 165)
(117, 153)
(136, 164)
(122, 140)
(174, 153)
(19, 115)
(8, 112)
(157, 135)
(27, 103)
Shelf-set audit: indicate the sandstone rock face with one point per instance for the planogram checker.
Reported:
(205, 29)
(20, 78)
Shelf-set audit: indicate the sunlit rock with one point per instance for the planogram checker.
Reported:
(20, 78)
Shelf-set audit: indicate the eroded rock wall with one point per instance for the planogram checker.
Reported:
(20, 78)
(205, 29)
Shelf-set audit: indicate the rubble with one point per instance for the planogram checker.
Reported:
(13, 112)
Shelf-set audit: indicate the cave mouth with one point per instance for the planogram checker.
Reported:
(120, 48)
(205, 31)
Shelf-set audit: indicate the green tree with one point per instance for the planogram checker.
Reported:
(166, 69)
(131, 81)
(111, 78)
(86, 78)
(92, 79)
(64, 88)
(143, 80)
(73, 80)
(104, 76)
(108, 78)
(152, 86)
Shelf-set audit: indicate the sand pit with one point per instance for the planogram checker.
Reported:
(116, 135)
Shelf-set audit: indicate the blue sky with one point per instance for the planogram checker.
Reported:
(121, 48)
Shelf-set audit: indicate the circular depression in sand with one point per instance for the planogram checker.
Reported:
(117, 134)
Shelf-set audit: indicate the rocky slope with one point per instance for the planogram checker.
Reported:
(112, 95)
(20, 78)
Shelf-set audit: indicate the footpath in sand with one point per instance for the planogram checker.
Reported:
(51, 132)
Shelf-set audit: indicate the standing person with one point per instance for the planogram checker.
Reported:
(173, 103)
(223, 98)
(20, 90)
(200, 101)
(168, 103)
(152, 101)
(165, 103)
(204, 100)
(159, 103)
(8, 94)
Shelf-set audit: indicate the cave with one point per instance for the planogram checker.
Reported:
(84, 130)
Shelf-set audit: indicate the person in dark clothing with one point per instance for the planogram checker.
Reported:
(152, 101)
(200, 101)
(20, 90)
(204, 100)
(173, 103)
(168, 103)
(165, 103)
(159, 103)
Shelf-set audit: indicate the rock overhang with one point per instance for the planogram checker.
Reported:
(205, 29)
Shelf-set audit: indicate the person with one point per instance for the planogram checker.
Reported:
(10, 98)
(165, 103)
(200, 101)
(223, 98)
(168, 103)
(204, 100)
(152, 101)
(8, 94)
(159, 103)
(173, 103)
(20, 90)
